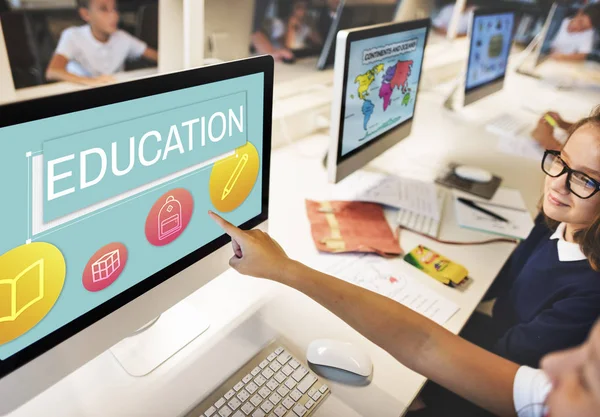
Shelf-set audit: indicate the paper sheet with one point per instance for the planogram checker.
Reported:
(507, 203)
(376, 274)
(390, 190)
(520, 145)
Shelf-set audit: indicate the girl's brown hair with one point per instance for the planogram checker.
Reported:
(588, 238)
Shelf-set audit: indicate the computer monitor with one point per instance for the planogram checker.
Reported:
(105, 218)
(352, 14)
(227, 29)
(299, 26)
(376, 84)
(491, 34)
(557, 15)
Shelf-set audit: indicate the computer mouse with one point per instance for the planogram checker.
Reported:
(474, 174)
(339, 355)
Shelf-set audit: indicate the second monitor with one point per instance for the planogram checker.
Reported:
(377, 75)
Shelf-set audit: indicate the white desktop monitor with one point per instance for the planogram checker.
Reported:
(491, 34)
(227, 29)
(105, 218)
(377, 74)
(352, 14)
(551, 28)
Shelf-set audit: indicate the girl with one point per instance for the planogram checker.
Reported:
(494, 383)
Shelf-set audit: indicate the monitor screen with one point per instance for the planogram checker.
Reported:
(100, 205)
(299, 26)
(380, 89)
(491, 39)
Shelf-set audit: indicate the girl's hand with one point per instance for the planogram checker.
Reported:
(255, 253)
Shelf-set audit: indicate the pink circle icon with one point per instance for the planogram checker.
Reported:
(104, 267)
(169, 217)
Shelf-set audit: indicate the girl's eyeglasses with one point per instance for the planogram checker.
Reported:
(580, 184)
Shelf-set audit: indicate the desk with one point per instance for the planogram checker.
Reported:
(66, 87)
(246, 313)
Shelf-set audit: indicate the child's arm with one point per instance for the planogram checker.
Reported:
(577, 57)
(151, 54)
(57, 71)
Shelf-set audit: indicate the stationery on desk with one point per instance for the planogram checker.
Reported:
(505, 214)
(378, 275)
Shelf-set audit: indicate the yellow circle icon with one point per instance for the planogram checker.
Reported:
(31, 279)
(232, 178)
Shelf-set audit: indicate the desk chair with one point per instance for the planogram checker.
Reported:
(147, 24)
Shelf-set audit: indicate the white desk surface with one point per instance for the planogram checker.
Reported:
(246, 313)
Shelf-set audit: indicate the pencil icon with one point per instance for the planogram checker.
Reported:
(235, 175)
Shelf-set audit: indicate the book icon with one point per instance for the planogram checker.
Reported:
(21, 292)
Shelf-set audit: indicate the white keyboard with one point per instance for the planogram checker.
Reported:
(272, 384)
(506, 124)
(420, 223)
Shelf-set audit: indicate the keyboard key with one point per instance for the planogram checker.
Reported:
(247, 379)
(316, 396)
(290, 383)
(238, 386)
(229, 394)
(275, 366)
(283, 391)
(267, 373)
(220, 403)
(300, 410)
(272, 384)
(243, 395)
(306, 383)
(280, 377)
(323, 389)
(264, 364)
(211, 411)
(264, 392)
(256, 371)
(309, 404)
(258, 413)
(234, 404)
(287, 370)
(238, 413)
(288, 403)
(257, 399)
(280, 411)
(311, 392)
(294, 364)
(278, 350)
(225, 411)
(275, 398)
(260, 381)
(272, 357)
(295, 395)
(267, 406)
(283, 358)
(247, 408)
(299, 374)
(251, 388)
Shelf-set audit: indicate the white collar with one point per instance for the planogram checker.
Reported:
(567, 251)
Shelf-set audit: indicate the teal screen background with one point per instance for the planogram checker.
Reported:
(124, 221)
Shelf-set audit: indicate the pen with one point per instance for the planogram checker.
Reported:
(472, 204)
(550, 120)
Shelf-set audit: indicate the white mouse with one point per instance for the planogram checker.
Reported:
(474, 174)
(340, 355)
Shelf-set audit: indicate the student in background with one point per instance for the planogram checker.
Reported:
(300, 34)
(441, 23)
(575, 38)
(568, 385)
(91, 53)
(544, 132)
(263, 34)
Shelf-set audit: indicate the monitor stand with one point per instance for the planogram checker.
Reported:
(456, 99)
(160, 339)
